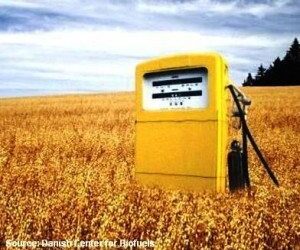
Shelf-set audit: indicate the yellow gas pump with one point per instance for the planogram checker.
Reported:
(182, 122)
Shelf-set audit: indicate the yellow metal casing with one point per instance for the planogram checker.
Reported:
(183, 148)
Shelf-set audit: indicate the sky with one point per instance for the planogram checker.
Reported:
(75, 46)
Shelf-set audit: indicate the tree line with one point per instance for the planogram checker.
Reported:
(282, 72)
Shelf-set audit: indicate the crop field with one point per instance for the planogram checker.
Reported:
(67, 172)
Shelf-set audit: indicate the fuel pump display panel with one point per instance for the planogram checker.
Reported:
(175, 89)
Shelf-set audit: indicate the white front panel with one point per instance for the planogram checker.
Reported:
(176, 89)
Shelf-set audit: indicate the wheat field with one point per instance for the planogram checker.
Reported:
(67, 172)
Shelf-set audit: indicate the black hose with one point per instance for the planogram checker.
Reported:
(245, 158)
(250, 137)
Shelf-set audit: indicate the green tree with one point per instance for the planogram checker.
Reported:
(293, 54)
(260, 75)
(291, 64)
(249, 81)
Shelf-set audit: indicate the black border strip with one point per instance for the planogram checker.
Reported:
(177, 81)
(177, 94)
